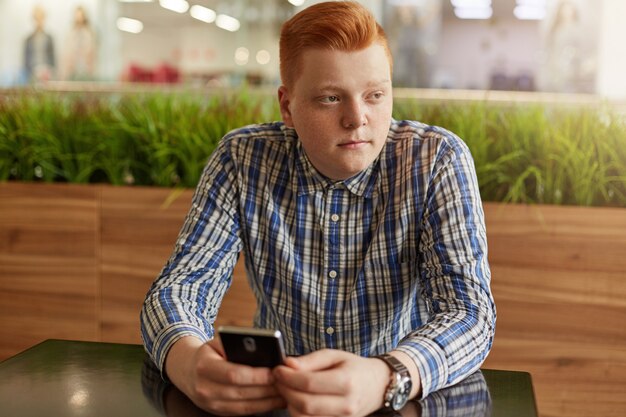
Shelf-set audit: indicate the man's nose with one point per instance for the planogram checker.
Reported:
(354, 115)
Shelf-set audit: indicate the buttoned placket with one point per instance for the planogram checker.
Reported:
(331, 225)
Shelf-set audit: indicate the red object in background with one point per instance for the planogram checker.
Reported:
(161, 74)
(165, 74)
(137, 74)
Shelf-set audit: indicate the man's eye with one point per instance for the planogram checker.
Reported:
(330, 99)
(377, 96)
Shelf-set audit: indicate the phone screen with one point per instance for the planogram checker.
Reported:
(253, 347)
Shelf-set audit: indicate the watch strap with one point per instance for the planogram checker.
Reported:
(394, 363)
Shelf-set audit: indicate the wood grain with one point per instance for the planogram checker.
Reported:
(49, 249)
(559, 281)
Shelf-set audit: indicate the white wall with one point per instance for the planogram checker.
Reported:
(470, 50)
(217, 49)
(151, 47)
(611, 74)
(109, 63)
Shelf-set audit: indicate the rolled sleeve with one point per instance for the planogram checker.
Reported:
(171, 335)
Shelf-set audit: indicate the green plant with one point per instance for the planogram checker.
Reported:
(537, 153)
(523, 153)
(151, 139)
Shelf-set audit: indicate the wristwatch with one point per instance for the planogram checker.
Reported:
(400, 385)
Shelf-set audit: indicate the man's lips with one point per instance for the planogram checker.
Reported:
(353, 144)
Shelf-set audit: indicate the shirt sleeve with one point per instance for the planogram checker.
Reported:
(454, 274)
(185, 298)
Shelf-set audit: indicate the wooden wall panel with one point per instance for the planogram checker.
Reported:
(559, 280)
(553, 237)
(48, 264)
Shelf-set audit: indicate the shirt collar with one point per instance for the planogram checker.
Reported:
(308, 179)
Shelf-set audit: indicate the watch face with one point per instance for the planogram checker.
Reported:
(402, 393)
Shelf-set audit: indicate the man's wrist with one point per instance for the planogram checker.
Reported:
(179, 357)
(382, 375)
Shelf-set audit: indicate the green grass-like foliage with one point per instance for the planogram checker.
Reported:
(545, 154)
(524, 153)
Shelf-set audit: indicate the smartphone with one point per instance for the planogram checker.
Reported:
(253, 347)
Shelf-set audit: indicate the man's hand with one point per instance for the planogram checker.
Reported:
(332, 383)
(201, 371)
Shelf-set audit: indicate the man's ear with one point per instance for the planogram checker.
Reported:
(283, 101)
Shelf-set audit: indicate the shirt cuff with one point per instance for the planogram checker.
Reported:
(431, 363)
(168, 337)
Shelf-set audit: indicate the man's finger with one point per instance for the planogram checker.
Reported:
(332, 381)
(229, 373)
(318, 360)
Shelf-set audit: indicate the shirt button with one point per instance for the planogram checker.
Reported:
(330, 330)
(334, 217)
(332, 274)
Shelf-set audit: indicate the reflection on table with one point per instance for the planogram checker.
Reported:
(68, 378)
(470, 398)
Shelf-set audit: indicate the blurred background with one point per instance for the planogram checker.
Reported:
(564, 46)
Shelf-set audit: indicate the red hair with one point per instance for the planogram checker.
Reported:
(335, 25)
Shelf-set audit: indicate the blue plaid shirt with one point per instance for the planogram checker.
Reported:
(392, 258)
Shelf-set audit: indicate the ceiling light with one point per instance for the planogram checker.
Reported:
(297, 2)
(135, 1)
(242, 55)
(529, 12)
(405, 2)
(471, 3)
(536, 3)
(202, 13)
(129, 25)
(263, 57)
(226, 22)
(178, 6)
(473, 12)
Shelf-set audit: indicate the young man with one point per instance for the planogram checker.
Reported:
(362, 236)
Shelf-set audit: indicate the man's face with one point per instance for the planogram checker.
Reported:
(340, 106)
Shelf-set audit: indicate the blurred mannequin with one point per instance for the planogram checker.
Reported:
(80, 49)
(39, 50)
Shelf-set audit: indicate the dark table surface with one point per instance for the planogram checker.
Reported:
(71, 378)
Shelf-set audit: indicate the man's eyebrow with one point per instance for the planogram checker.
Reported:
(335, 87)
